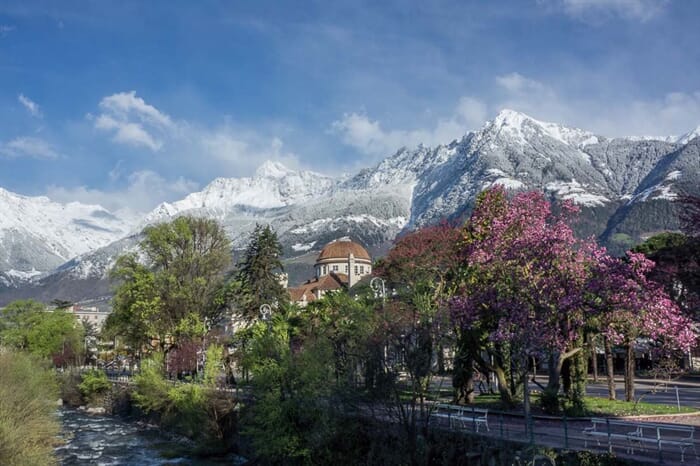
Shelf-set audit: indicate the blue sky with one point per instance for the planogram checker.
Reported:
(131, 103)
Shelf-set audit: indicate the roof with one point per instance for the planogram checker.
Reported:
(332, 281)
(341, 250)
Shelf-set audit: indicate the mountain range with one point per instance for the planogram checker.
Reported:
(624, 186)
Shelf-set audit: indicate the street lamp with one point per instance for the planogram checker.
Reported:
(265, 312)
(377, 285)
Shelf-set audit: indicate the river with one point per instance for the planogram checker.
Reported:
(108, 440)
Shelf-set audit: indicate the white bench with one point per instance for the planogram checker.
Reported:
(680, 436)
(462, 416)
(609, 429)
(642, 433)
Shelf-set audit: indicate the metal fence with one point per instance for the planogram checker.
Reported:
(652, 443)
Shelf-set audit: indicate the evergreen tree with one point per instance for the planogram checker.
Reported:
(258, 280)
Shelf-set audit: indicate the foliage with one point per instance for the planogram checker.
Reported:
(28, 325)
(169, 298)
(213, 368)
(304, 367)
(151, 389)
(256, 280)
(94, 383)
(689, 207)
(194, 410)
(533, 289)
(677, 259)
(28, 427)
(426, 255)
(522, 282)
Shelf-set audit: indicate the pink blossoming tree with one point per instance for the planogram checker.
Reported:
(529, 288)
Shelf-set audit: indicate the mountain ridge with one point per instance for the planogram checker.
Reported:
(622, 184)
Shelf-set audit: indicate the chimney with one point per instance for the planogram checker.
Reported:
(351, 270)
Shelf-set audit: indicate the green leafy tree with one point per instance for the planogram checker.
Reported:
(170, 296)
(292, 419)
(677, 259)
(15, 319)
(28, 325)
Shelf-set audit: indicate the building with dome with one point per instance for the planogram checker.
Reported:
(340, 265)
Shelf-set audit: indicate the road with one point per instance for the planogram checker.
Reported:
(654, 391)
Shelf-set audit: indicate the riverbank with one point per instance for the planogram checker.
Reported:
(110, 440)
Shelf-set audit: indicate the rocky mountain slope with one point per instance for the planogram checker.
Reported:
(38, 235)
(624, 187)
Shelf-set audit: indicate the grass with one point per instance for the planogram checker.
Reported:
(594, 406)
(604, 407)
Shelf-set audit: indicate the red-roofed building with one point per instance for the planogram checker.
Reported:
(340, 265)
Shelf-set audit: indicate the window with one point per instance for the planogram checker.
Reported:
(335, 268)
(356, 270)
(362, 269)
(346, 269)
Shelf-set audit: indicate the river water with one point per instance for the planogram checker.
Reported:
(107, 440)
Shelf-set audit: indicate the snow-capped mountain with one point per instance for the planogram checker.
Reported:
(38, 235)
(273, 186)
(623, 186)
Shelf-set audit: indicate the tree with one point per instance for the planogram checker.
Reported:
(15, 320)
(689, 207)
(170, 296)
(256, 280)
(631, 306)
(677, 268)
(28, 325)
(522, 281)
(419, 267)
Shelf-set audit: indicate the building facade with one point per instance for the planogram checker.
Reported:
(340, 265)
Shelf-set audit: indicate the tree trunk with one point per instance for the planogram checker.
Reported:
(579, 373)
(594, 357)
(506, 395)
(629, 371)
(526, 400)
(556, 363)
(610, 368)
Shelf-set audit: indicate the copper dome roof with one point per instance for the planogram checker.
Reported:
(341, 250)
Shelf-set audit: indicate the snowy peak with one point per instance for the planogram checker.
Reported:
(521, 128)
(37, 234)
(689, 136)
(271, 169)
(272, 187)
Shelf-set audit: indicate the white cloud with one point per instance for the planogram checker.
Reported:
(517, 83)
(28, 147)
(224, 149)
(368, 136)
(127, 132)
(132, 121)
(31, 106)
(143, 191)
(595, 10)
(125, 105)
(672, 114)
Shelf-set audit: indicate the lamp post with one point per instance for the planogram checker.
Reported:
(206, 329)
(266, 313)
(377, 285)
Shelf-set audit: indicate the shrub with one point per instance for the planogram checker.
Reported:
(194, 410)
(94, 384)
(28, 427)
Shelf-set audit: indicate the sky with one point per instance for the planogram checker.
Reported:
(131, 103)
